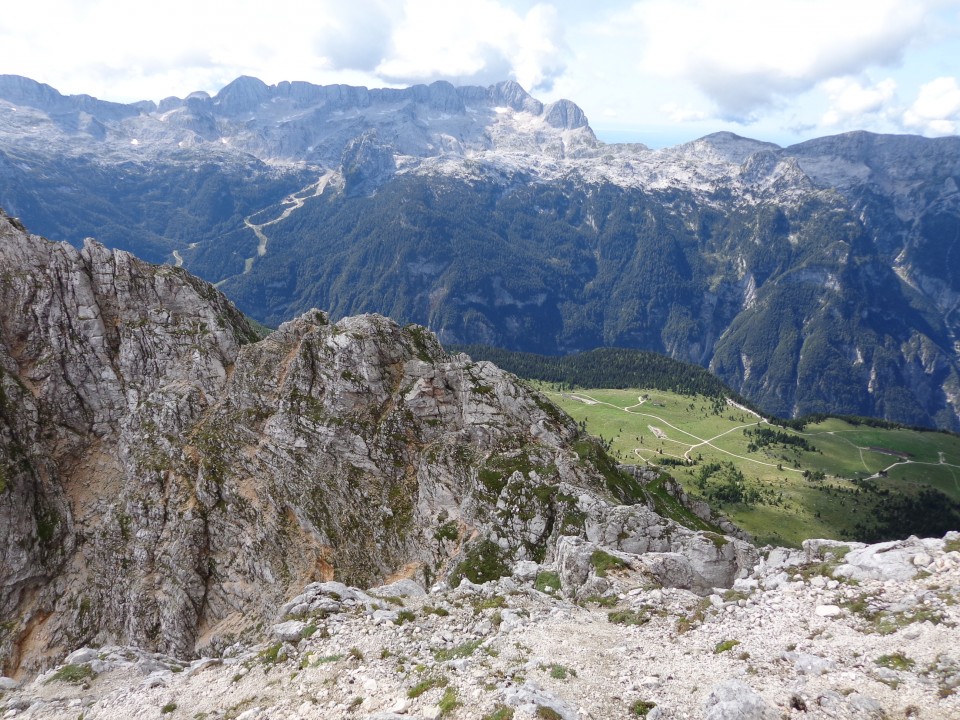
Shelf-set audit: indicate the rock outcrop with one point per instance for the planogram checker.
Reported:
(516, 648)
(169, 480)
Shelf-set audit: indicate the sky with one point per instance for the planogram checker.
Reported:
(658, 72)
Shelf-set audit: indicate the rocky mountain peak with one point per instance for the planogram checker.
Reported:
(150, 435)
(242, 95)
(511, 94)
(564, 114)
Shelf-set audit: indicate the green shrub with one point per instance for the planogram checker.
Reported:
(448, 703)
(725, 645)
(405, 616)
(168, 708)
(641, 708)
(460, 651)
(896, 661)
(427, 684)
(561, 672)
(484, 560)
(546, 579)
(73, 673)
(603, 562)
(271, 654)
(628, 617)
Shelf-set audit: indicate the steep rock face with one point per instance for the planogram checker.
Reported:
(92, 343)
(167, 480)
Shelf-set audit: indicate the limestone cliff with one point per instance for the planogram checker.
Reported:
(168, 478)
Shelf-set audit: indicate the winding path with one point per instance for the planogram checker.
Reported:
(700, 442)
(293, 201)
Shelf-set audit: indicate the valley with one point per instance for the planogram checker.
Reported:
(820, 277)
(830, 479)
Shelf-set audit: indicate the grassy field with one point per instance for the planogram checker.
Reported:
(783, 487)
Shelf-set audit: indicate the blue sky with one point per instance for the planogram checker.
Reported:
(652, 71)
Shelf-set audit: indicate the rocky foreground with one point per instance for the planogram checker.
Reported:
(831, 631)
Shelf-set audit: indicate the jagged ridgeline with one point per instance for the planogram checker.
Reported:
(817, 278)
(167, 479)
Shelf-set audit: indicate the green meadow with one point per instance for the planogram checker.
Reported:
(834, 479)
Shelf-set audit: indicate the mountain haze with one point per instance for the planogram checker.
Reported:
(822, 277)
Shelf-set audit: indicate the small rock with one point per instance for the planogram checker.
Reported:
(400, 588)
(158, 678)
(83, 655)
(827, 611)
(401, 706)
(7, 684)
(289, 631)
(526, 570)
(807, 664)
(734, 700)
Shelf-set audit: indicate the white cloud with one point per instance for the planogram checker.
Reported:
(683, 114)
(481, 41)
(746, 55)
(851, 101)
(936, 111)
(357, 36)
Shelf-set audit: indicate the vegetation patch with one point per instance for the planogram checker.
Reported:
(559, 672)
(484, 560)
(502, 712)
(826, 477)
(547, 713)
(436, 681)
(447, 531)
(883, 622)
(271, 655)
(547, 581)
(73, 673)
(460, 651)
(895, 661)
(603, 562)
(628, 617)
(449, 702)
(725, 645)
(641, 708)
(405, 616)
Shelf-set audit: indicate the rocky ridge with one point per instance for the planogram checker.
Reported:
(168, 479)
(835, 630)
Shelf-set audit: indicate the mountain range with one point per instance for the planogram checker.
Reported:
(821, 277)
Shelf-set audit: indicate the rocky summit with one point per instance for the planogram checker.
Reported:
(830, 631)
(168, 480)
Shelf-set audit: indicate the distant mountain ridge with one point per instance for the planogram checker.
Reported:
(822, 277)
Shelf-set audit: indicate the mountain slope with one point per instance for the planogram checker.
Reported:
(819, 277)
(167, 479)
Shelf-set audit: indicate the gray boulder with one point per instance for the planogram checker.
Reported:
(530, 697)
(734, 700)
(893, 560)
(400, 588)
